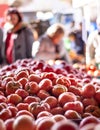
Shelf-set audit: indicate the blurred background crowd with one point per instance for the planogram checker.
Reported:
(50, 30)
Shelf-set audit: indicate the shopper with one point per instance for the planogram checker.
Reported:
(50, 46)
(72, 26)
(77, 47)
(78, 31)
(93, 46)
(18, 39)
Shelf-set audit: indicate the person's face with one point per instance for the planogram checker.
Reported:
(13, 19)
(58, 38)
(71, 38)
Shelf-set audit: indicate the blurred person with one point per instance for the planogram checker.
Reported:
(72, 26)
(77, 47)
(79, 30)
(18, 39)
(1, 43)
(50, 46)
(82, 32)
(93, 46)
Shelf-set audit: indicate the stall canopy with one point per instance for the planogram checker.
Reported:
(16, 3)
(46, 5)
(39, 5)
(80, 3)
(9, 2)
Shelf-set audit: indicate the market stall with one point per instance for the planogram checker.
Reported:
(53, 94)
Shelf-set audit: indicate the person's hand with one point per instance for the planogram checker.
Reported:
(80, 57)
(73, 55)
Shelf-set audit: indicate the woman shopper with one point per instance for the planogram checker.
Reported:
(50, 46)
(18, 40)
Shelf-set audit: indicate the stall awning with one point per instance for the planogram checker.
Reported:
(80, 3)
(46, 5)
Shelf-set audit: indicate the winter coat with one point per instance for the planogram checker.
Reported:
(23, 40)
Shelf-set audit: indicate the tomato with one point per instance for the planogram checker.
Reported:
(35, 108)
(23, 122)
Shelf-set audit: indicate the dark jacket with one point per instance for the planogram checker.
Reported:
(23, 40)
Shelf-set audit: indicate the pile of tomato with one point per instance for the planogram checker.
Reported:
(35, 95)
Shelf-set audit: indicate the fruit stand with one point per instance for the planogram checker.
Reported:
(35, 95)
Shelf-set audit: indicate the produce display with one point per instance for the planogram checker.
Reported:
(92, 70)
(35, 95)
